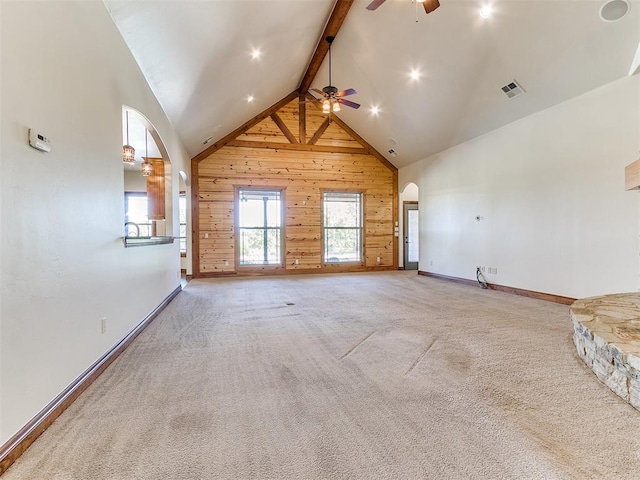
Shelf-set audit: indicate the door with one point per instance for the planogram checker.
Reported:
(410, 235)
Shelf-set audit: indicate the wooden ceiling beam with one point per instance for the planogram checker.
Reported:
(244, 127)
(283, 128)
(336, 19)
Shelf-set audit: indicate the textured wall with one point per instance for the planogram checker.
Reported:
(67, 72)
(549, 191)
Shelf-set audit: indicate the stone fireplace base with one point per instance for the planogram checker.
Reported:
(607, 337)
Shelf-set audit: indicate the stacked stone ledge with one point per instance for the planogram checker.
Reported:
(606, 333)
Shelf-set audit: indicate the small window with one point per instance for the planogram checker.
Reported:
(259, 227)
(136, 215)
(342, 227)
(182, 205)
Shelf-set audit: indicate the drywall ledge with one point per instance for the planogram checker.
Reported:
(607, 337)
(16, 445)
(145, 241)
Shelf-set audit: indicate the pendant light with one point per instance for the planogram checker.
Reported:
(147, 168)
(128, 152)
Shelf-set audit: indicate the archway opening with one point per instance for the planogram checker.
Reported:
(148, 204)
(409, 233)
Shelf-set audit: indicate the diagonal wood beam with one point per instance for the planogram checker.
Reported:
(244, 127)
(321, 129)
(336, 19)
(370, 150)
(283, 128)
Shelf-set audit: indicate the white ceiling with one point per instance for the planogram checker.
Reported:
(196, 56)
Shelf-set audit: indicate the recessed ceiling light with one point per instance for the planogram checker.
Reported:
(415, 74)
(255, 54)
(375, 110)
(250, 99)
(485, 12)
(614, 10)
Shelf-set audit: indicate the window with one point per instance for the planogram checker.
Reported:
(136, 217)
(259, 227)
(182, 205)
(342, 227)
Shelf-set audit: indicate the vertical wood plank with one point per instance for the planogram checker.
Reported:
(156, 190)
(302, 119)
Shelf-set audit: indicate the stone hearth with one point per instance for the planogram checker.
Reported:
(607, 337)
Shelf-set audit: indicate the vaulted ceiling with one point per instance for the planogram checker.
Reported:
(197, 58)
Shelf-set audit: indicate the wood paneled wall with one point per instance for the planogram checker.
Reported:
(303, 157)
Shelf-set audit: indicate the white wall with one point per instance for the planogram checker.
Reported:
(67, 72)
(408, 193)
(550, 191)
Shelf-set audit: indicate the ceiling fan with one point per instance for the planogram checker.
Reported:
(429, 5)
(333, 97)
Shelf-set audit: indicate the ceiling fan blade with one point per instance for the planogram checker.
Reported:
(348, 103)
(375, 4)
(430, 5)
(346, 93)
(320, 92)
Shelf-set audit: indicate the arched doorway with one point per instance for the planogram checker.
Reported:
(148, 198)
(409, 227)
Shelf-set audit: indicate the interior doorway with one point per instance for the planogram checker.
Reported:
(411, 235)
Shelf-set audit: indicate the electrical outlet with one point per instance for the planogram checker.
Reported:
(297, 262)
(206, 235)
(378, 259)
(226, 263)
(431, 263)
(103, 325)
(493, 270)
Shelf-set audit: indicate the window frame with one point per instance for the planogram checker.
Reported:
(360, 262)
(237, 228)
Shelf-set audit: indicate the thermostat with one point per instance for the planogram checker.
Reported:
(39, 141)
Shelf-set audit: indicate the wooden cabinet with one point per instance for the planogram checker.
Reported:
(156, 190)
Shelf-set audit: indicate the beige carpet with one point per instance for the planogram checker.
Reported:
(357, 376)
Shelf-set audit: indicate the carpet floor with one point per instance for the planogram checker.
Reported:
(353, 376)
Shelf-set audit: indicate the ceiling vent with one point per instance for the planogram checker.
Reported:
(512, 89)
(393, 153)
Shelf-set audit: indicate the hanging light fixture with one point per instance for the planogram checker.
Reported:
(128, 152)
(147, 168)
(326, 106)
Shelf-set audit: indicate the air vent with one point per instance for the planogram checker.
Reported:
(512, 89)
(393, 153)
